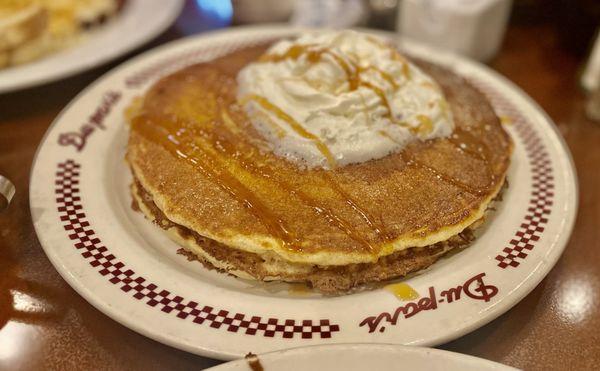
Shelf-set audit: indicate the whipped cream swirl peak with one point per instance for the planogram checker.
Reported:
(330, 99)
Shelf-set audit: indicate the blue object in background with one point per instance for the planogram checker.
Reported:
(204, 15)
(218, 9)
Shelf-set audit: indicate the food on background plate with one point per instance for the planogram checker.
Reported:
(331, 159)
(30, 29)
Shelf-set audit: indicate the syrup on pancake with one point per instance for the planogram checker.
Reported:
(194, 152)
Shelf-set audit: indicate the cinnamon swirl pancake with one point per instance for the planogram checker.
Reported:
(331, 160)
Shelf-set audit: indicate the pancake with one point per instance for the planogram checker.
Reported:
(30, 29)
(228, 200)
(268, 267)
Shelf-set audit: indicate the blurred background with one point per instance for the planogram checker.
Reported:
(575, 22)
(474, 28)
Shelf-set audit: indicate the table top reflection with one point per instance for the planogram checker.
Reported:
(46, 324)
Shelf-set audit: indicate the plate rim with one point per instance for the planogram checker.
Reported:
(534, 278)
(337, 347)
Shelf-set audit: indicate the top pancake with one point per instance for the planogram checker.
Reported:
(194, 150)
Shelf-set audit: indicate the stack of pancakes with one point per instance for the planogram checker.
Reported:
(30, 29)
(208, 178)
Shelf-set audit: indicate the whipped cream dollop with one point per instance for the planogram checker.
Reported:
(330, 99)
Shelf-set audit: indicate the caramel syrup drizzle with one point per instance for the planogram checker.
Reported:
(179, 140)
(378, 228)
(387, 135)
(226, 148)
(202, 156)
(395, 55)
(353, 71)
(199, 148)
(299, 129)
(169, 136)
(384, 75)
(325, 212)
(411, 161)
(426, 125)
(468, 144)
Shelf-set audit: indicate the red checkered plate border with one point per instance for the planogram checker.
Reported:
(129, 270)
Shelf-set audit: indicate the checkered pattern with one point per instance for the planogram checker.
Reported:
(116, 272)
(176, 62)
(540, 202)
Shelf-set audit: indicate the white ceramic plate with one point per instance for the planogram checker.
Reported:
(360, 357)
(138, 22)
(129, 269)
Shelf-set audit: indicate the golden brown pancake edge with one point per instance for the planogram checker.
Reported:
(330, 280)
(190, 201)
